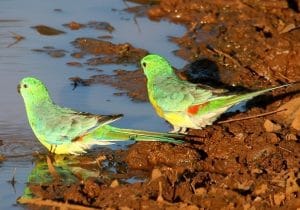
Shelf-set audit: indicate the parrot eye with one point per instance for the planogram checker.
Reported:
(144, 64)
(24, 86)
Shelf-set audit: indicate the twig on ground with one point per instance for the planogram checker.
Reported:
(287, 150)
(251, 117)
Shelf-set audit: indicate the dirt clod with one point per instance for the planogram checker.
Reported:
(271, 127)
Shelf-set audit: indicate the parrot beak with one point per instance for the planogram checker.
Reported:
(18, 88)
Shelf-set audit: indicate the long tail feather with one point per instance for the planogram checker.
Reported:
(110, 133)
(247, 96)
(151, 133)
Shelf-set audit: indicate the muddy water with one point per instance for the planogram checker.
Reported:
(17, 60)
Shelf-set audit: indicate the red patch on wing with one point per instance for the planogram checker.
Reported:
(193, 109)
(78, 138)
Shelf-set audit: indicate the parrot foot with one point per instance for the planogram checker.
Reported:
(181, 130)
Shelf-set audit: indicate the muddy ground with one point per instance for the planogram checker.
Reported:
(247, 164)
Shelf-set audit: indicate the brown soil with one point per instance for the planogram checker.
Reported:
(249, 164)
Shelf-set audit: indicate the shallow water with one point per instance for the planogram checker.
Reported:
(18, 60)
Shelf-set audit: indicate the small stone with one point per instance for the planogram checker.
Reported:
(257, 199)
(114, 184)
(271, 127)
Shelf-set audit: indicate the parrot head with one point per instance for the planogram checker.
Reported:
(33, 90)
(155, 65)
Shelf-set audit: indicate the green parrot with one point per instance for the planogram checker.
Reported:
(184, 104)
(65, 131)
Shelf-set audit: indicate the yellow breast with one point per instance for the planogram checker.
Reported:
(158, 110)
(175, 118)
(179, 119)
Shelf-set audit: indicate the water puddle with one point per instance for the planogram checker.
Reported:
(18, 60)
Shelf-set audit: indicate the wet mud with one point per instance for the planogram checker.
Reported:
(106, 52)
(47, 31)
(130, 82)
(243, 164)
(92, 24)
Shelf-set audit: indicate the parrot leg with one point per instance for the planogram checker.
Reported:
(180, 130)
(133, 137)
(52, 149)
(183, 130)
(176, 129)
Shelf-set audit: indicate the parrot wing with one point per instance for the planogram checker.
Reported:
(172, 94)
(66, 125)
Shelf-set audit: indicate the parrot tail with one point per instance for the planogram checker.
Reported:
(110, 133)
(247, 96)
